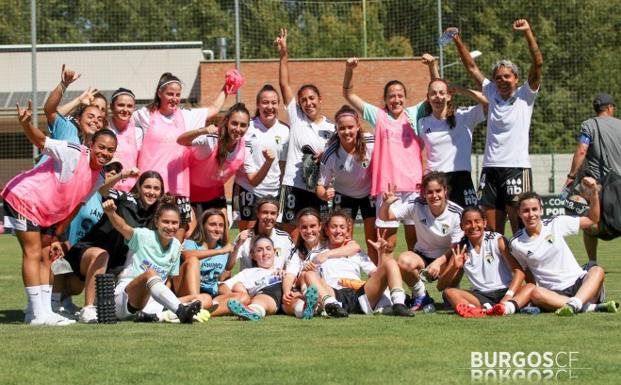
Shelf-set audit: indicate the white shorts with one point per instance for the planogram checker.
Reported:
(121, 298)
(383, 302)
(403, 197)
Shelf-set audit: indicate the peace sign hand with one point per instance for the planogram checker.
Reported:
(390, 196)
(281, 42)
(460, 257)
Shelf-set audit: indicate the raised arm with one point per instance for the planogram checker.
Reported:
(283, 68)
(477, 96)
(34, 135)
(216, 105)
(467, 60)
(117, 222)
(50, 107)
(255, 178)
(348, 86)
(389, 198)
(590, 190)
(85, 99)
(111, 181)
(432, 65)
(536, 67)
(187, 137)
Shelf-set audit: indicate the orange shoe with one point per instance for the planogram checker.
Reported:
(467, 311)
(496, 310)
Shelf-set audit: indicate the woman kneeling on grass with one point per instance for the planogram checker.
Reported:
(205, 258)
(540, 247)
(330, 275)
(258, 287)
(297, 298)
(156, 257)
(483, 256)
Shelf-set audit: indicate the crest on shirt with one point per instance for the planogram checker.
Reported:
(489, 258)
(278, 139)
(365, 163)
(445, 229)
(549, 239)
(277, 251)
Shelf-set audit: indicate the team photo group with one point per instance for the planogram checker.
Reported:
(138, 194)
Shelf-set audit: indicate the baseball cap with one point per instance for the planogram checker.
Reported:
(603, 99)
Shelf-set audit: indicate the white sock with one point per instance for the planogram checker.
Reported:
(46, 298)
(589, 307)
(576, 303)
(260, 310)
(298, 309)
(162, 294)
(418, 289)
(397, 295)
(328, 299)
(33, 293)
(509, 307)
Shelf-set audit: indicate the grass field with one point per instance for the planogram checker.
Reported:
(430, 348)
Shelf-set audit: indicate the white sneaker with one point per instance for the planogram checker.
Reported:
(51, 319)
(88, 315)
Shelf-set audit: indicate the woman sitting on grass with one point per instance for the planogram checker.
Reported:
(496, 278)
(330, 275)
(156, 257)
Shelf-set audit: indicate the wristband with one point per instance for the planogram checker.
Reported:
(569, 176)
(510, 293)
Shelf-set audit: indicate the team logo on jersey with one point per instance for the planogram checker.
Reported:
(549, 239)
(365, 163)
(489, 258)
(278, 139)
(445, 229)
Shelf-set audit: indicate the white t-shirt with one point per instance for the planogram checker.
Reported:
(254, 279)
(333, 269)
(259, 138)
(66, 157)
(207, 143)
(294, 263)
(547, 256)
(283, 246)
(303, 132)
(508, 124)
(449, 149)
(193, 118)
(347, 174)
(487, 270)
(434, 236)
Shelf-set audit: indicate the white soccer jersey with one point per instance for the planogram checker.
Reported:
(259, 138)
(508, 124)
(283, 246)
(449, 149)
(303, 132)
(547, 256)
(488, 269)
(345, 172)
(254, 279)
(434, 236)
(333, 269)
(294, 263)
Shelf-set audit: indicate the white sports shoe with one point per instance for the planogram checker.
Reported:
(50, 319)
(88, 315)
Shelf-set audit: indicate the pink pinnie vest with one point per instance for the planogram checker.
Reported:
(207, 178)
(40, 197)
(396, 155)
(127, 153)
(160, 152)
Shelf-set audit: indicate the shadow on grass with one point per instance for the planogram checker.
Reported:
(11, 316)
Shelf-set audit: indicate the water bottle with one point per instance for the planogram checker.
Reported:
(564, 193)
(429, 308)
(447, 37)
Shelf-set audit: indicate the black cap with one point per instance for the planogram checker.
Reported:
(603, 99)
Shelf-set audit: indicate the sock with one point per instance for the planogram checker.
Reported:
(67, 302)
(418, 289)
(162, 294)
(33, 293)
(510, 307)
(397, 295)
(298, 309)
(260, 310)
(576, 303)
(56, 299)
(589, 307)
(46, 298)
(328, 299)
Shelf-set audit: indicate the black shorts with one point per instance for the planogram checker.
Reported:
(293, 199)
(489, 297)
(245, 203)
(500, 186)
(428, 261)
(274, 291)
(185, 209)
(571, 290)
(17, 222)
(201, 207)
(461, 188)
(348, 298)
(351, 206)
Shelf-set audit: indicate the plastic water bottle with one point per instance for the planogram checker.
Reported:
(429, 308)
(447, 37)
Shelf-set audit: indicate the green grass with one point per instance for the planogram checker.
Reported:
(431, 348)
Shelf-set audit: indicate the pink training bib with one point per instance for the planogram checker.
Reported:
(207, 178)
(396, 155)
(39, 196)
(160, 152)
(127, 153)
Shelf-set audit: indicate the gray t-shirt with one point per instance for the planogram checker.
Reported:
(610, 132)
